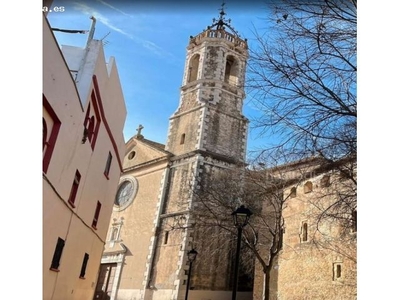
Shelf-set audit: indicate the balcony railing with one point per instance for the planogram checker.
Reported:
(220, 34)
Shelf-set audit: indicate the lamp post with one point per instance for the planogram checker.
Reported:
(191, 257)
(241, 217)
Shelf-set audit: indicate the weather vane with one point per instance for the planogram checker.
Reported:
(222, 22)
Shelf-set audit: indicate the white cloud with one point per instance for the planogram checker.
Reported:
(99, 17)
(149, 45)
(114, 8)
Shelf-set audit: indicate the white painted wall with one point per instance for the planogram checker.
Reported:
(69, 101)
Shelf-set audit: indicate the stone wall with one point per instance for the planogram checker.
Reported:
(318, 260)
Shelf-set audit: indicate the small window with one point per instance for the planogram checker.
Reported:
(74, 189)
(183, 138)
(293, 192)
(325, 181)
(166, 235)
(337, 271)
(304, 232)
(114, 234)
(90, 129)
(96, 215)
(55, 263)
(308, 187)
(131, 155)
(84, 264)
(108, 165)
(87, 124)
(92, 121)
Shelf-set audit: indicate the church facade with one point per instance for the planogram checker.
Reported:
(151, 229)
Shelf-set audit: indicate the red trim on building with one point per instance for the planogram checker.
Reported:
(97, 91)
(93, 135)
(53, 134)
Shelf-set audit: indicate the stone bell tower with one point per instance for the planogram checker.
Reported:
(207, 133)
(209, 117)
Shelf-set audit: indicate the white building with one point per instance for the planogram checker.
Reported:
(83, 118)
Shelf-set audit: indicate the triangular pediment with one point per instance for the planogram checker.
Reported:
(140, 151)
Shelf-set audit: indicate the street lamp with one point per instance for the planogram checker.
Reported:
(191, 257)
(241, 217)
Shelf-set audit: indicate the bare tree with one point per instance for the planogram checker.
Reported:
(317, 191)
(264, 190)
(323, 203)
(262, 237)
(302, 79)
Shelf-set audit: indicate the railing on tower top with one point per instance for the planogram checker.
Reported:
(221, 34)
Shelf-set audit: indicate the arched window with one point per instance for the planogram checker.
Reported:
(231, 70)
(193, 68)
(293, 192)
(308, 187)
(304, 232)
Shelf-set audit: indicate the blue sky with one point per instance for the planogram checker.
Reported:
(22, 95)
(149, 45)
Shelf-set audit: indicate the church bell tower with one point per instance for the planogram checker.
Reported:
(209, 117)
(207, 133)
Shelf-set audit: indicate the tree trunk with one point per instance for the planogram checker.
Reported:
(267, 277)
